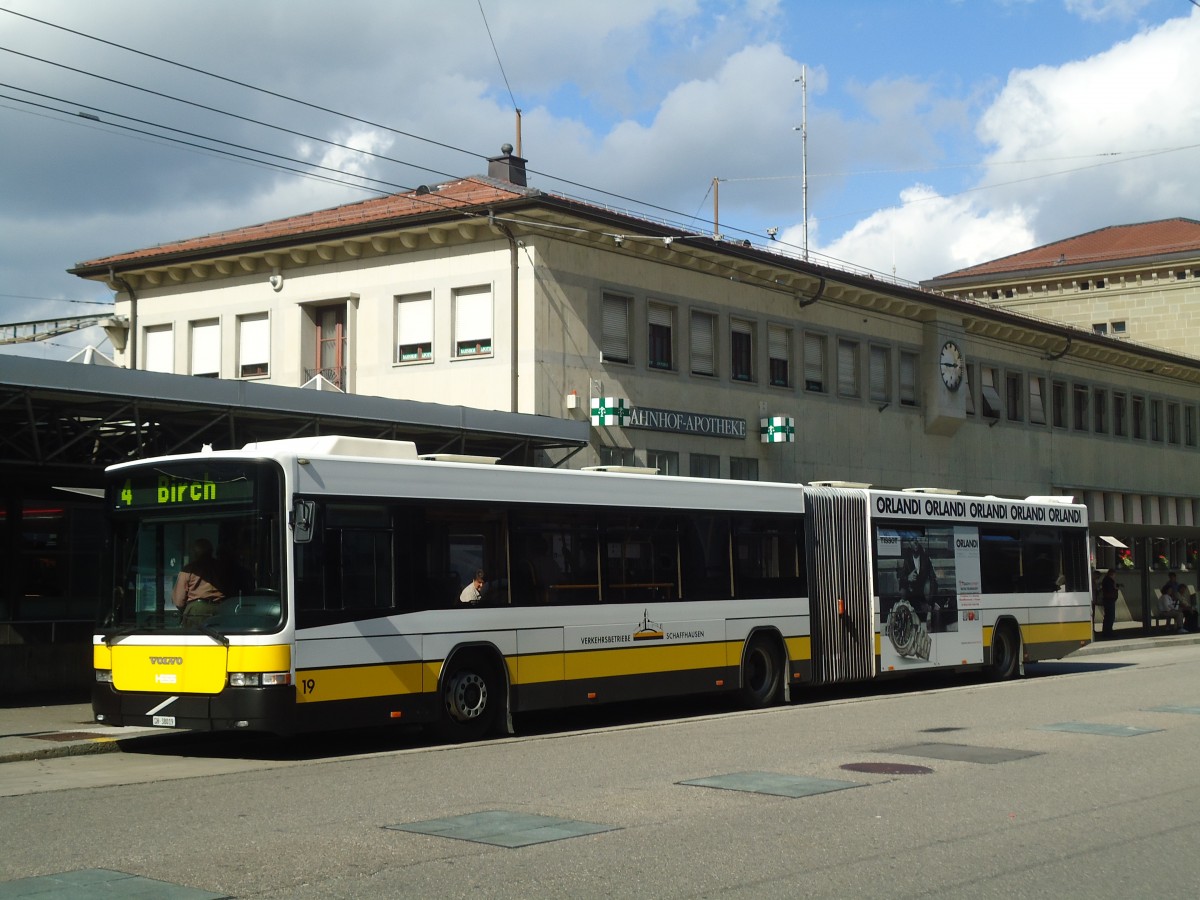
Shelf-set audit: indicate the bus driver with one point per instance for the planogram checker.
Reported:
(196, 592)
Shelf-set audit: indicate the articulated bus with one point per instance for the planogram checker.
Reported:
(343, 562)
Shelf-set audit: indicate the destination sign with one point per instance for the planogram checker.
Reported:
(156, 490)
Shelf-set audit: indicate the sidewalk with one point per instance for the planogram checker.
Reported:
(49, 730)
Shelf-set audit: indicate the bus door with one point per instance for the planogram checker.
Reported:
(841, 601)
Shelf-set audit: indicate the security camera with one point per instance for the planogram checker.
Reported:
(276, 281)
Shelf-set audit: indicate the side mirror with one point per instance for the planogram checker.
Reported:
(304, 515)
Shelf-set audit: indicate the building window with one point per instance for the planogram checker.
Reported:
(1100, 327)
(472, 321)
(1189, 425)
(703, 337)
(909, 363)
(989, 381)
(1060, 404)
(1120, 416)
(969, 387)
(703, 465)
(1037, 405)
(848, 368)
(779, 350)
(1172, 423)
(666, 461)
(741, 350)
(330, 322)
(254, 346)
(206, 349)
(616, 456)
(743, 468)
(160, 349)
(880, 374)
(614, 341)
(660, 333)
(1118, 327)
(1079, 406)
(414, 328)
(1156, 420)
(1138, 414)
(1013, 396)
(814, 362)
(1100, 411)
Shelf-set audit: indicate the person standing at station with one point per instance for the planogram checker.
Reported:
(1108, 601)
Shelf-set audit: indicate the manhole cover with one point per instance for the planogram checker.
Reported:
(888, 768)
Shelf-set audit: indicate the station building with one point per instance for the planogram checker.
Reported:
(1138, 282)
(681, 351)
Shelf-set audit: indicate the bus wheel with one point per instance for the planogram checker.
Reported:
(762, 673)
(1006, 651)
(469, 701)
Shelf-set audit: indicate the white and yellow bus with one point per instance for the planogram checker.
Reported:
(343, 561)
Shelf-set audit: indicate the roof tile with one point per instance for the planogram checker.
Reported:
(1105, 245)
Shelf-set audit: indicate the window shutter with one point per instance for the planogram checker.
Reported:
(908, 379)
(255, 341)
(414, 321)
(848, 368)
(160, 350)
(660, 315)
(777, 342)
(703, 358)
(614, 342)
(206, 348)
(814, 362)
(879, 373)
(472, 321)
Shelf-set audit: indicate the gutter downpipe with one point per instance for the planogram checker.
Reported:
(512, 293)
(114, 278)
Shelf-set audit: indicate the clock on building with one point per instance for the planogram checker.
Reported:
(950, 361)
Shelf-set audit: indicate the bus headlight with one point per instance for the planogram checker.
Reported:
(104, 676)
(255, 679)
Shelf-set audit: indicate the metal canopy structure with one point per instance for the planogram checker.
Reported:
(68, 421)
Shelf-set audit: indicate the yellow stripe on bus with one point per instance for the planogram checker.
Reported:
(319, 685)
(1057, 632)
(1047, 633)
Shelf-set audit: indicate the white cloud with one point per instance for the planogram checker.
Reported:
(928, 235)
(1069, 145)
(1101, 10)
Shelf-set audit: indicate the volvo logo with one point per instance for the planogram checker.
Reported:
(166, 660)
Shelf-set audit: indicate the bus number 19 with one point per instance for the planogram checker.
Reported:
(308, 686)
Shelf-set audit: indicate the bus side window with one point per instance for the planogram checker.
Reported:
(704, 557)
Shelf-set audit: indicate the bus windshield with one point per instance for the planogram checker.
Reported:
(196, 547)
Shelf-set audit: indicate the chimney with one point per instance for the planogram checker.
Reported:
(507, 167)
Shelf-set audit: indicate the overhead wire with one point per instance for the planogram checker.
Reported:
(112, 113)
(683, 222)
(241, 84)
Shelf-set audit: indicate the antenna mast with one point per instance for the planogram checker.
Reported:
(804, 153)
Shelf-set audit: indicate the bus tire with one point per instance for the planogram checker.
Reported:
(1006, 651)
(762, 673)
(470, 700)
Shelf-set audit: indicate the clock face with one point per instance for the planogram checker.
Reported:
(950, 361)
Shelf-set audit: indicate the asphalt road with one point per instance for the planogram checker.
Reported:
(1011, 804)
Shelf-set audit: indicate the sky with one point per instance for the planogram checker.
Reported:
(926, 136)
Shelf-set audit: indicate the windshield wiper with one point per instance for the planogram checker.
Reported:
(213, 633)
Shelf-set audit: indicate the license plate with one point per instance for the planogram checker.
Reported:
(165, 721)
